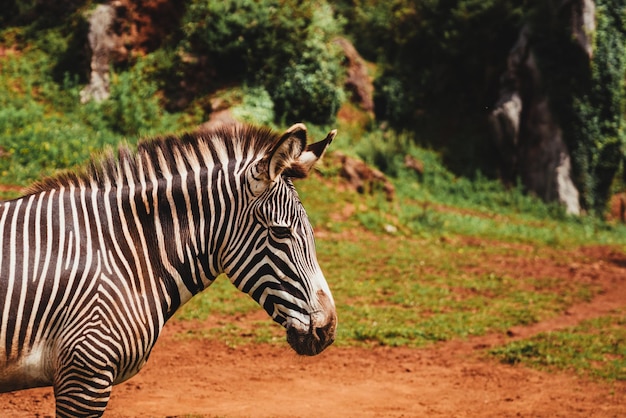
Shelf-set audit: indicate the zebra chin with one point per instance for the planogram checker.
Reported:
(320, 333)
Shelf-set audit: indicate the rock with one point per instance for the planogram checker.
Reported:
(414, 164)
(583, 23)
(359, 83)
(223, 117)
(363, 178)
(526, 132)
(102, 41)
(123, 29)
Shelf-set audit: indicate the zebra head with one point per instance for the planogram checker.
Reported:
(275, 261)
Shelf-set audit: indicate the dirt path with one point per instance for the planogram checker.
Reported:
(453, 379)
(209, 379)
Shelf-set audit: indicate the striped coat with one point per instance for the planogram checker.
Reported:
(93, 263)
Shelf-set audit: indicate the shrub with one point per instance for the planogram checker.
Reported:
(256, 106)
(133, 108)
(284, 46)
(308, 88)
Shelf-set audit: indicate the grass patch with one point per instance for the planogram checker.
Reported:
(594, 348)
(400, 291)
(413, 292)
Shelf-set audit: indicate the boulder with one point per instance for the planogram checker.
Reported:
(363, 178)
(358, 82)
(120, 30)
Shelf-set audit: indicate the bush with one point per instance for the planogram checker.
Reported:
(256, 106)
(283, 46)
(133, 108)
(309, 87)
(43, 126)
(36, 142)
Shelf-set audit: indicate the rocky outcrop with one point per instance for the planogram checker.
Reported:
(358, 82)
(120, 30)
(102, 41)
(363, 178)
(525, 129)
(583, 23)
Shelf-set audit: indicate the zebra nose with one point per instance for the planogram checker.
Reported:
(326, 334)
(321, 332)
(311, 342)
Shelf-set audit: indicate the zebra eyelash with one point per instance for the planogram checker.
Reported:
(281, 231)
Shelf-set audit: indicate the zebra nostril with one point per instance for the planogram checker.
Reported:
(320, 333)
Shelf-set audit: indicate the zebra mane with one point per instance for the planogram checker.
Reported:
(122, 168)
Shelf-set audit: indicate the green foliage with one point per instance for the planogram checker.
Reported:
(43, 126)
(256, 107)
(386, 150)
(38, 13)
(423, 50)
(284, 46)
(35, 137)
(133, 108)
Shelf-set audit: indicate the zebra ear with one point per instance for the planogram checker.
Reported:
(290, 157)
(285, 154)
(315, 151)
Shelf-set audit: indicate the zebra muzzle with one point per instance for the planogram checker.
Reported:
(321, 331)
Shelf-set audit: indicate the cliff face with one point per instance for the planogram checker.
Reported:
(525, 129)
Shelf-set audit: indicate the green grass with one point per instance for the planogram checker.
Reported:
(413, 292)
(406, 291)
(594, 348)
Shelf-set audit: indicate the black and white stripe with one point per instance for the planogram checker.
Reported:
(93, 263)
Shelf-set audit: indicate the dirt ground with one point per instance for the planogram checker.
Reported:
(452, 379)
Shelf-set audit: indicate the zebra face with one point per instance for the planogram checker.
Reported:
(280, 270)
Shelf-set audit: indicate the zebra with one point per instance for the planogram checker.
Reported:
(93, 262)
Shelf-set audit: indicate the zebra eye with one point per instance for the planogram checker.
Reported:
(281, 231)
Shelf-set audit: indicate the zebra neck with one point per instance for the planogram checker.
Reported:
(186, 219)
